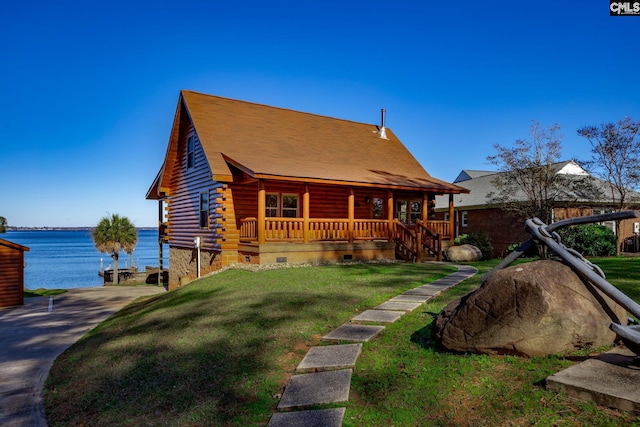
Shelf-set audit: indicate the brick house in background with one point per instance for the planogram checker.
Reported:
(474, 212)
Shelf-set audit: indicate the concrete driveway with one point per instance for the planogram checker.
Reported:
(33, 335)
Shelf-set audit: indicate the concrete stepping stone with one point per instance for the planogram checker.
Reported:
(382, 316)
(610, 379)
(317, 388)
(425, 291)
(447, 282)
(330, 358)
(315, 418)
(411, 298)
(360, 333)
(398, 306)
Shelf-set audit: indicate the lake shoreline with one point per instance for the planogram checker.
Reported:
(68, 259)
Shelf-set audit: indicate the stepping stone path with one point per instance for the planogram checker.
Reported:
(324, 375)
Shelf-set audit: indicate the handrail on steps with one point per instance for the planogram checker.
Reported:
(430, 239)
(411, 241)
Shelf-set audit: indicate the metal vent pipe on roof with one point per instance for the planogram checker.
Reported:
(383, 131)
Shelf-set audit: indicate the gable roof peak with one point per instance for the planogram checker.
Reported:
(268, 142)
(191, 94)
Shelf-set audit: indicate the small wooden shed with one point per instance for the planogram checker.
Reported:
(11, 273)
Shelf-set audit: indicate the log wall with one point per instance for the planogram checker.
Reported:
(325, 201)
(183, 204)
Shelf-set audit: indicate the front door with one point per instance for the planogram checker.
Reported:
(408, 211)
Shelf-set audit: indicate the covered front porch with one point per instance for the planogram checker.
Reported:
(401, 232)
(296, 240)
(313, 230)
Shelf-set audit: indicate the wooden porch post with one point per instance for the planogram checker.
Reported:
(452, 220)
(262, 212)
(390, 213)
(305, 213)
(352, 210)
(425, 208)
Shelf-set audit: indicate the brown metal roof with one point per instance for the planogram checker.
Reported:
(277, 143)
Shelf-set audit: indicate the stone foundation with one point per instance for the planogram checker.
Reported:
(183, 268)
(298, 253)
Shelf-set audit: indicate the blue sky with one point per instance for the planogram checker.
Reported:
(89, 89)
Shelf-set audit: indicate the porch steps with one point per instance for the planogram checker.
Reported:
(324, 374)
(426, 256)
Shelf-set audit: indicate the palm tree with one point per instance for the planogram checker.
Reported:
(113, 233)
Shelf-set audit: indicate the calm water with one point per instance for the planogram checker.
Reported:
(69, 259)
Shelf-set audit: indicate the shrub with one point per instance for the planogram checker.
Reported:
(589, 239)
(460, 240)
(480, 240)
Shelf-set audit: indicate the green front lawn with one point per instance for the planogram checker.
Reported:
(218, 350)
(402, 380)
(41, 292)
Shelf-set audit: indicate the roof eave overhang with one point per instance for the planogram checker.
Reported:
(435, 189)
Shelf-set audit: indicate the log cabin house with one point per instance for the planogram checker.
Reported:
(249, 183)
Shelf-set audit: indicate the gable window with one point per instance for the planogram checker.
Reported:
(204, 209)
(191, 151)
(282, 205)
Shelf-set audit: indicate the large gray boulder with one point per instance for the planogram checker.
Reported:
(463, 253)
(532, 309)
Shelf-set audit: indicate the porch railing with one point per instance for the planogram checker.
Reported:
(248, 229)
(320, 229)
(442, 228)
(371, 229)
(429, 240)
(410, 241)
(406, 246)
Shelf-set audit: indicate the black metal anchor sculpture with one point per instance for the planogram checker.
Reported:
(545, 234)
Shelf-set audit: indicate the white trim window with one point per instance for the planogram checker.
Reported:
(611, 225)
(464, 221)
